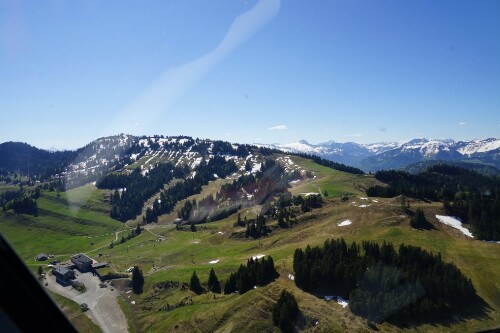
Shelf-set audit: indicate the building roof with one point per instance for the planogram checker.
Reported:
(100, 265)
(81, 259)
(60, 271)
(41, 256)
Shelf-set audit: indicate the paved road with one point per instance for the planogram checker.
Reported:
(104, 309)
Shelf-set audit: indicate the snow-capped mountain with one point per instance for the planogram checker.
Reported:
(349, 153)
(478, 146)
(392, 155)
(116, 152)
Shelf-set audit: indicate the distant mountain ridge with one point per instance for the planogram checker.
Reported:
(113, 152)
(392, 155)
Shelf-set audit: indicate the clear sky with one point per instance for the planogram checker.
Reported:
(249, 71)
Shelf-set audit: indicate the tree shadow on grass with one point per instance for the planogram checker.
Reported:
(476, 308)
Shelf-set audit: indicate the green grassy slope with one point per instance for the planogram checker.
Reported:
(77, 221)
(65, 224)
(182, 252)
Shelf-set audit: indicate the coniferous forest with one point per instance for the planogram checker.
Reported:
(472, 196)
(255, 273)
(331, 164)
(137, 188)
(382, 282)
(203, 173)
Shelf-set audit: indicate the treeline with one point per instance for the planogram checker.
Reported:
(286, 214)
(465, 193)
(330, 164)
(25, 205)
(203, 173)
(136, 189)
(8, 196)
(479, 210)
(384, 283)
(33, 162)
(257, 228)
(255, 273)
(218, 147)
(21, 201)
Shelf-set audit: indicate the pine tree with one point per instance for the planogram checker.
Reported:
(137, 280)
(285, 312)
(248, 166)
(195, 285)
(419, 221)
(230, 286)
(213, 282)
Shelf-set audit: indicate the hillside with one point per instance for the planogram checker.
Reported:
(250, 183)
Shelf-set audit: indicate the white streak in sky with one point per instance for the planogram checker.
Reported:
(162, 93)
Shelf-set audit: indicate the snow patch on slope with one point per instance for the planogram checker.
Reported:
(454, 222)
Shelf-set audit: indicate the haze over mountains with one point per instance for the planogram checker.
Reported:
(392, 155)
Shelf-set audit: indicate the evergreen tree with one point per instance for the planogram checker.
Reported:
(382, 282)
(418, 220)
(137, 280)
(230, 286)
(256, 272)
(213, 282)
(285, 312)
(248, 166)
(281, 219)
(195, 285)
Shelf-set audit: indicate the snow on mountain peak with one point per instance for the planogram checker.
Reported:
(478, 146)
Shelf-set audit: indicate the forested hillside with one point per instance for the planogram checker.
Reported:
(465, 193)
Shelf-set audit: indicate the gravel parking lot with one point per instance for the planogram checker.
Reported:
(104, 309)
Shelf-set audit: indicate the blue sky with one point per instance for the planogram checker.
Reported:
(249, 71)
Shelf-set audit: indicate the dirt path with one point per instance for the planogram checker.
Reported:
(154, 234)
(101, 247)
(104, 309)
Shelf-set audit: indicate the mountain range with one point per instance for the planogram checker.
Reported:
(392, 155)
(104, 154)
